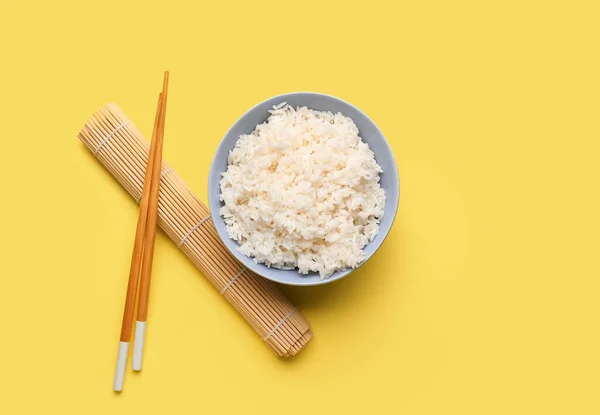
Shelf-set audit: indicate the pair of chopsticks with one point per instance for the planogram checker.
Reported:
(143, 248)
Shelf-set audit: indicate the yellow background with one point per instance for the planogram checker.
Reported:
(484, 298)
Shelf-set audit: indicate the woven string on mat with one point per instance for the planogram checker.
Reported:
(123, 151)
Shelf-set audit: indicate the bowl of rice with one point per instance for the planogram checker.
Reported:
(303, 188)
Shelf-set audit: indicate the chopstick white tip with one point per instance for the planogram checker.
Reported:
(138, 345)
(121, 364)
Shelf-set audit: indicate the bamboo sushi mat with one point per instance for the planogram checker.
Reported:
(123, 150)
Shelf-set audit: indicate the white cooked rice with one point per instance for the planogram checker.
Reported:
(302, 191)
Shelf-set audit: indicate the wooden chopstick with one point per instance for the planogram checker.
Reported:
(144, 295)
(144, 236)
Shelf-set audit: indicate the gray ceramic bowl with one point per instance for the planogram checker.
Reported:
(369, 134)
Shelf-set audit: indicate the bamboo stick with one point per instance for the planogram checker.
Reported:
(144, 294)
(136, 261)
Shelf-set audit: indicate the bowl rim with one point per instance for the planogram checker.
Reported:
(214, 213)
